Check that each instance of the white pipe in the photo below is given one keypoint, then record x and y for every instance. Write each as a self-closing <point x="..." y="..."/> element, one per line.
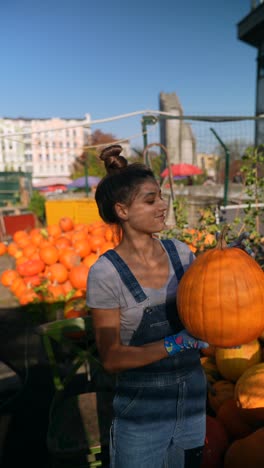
<point x="233" y="207"/>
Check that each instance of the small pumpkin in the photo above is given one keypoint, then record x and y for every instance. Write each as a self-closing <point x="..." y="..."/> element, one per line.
<point x="249" y="394"/>
<point x="78" y="276"/>
<point x="66" y="224"/>
<point x="247" y="452"/>
<point x="31" y="267"/>
<point x="57" y="273"/>
<point x="220" y="294"/>
<point x="216" y="444"/>
<point x="230" y="415"/>
<point x="219" y="392"/>
<point x="8" y="276"/>
<point x="49" y="254"/>
<point x="232" y="362"/>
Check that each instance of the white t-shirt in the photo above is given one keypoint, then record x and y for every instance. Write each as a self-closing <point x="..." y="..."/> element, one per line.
<point x="106" y="290"/>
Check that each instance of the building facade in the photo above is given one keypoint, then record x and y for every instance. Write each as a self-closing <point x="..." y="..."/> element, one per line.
<point x="44" y="147"/>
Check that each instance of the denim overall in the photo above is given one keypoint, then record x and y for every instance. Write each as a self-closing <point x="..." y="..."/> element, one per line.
<point x="159" y="408"/>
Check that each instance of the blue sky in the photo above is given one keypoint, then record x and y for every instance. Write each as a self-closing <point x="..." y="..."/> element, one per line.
<point x="110" y="57"/>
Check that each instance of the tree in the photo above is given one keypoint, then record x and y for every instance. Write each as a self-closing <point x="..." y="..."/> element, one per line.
<point x="95" y="166"/>
<point x="101" y="138"/>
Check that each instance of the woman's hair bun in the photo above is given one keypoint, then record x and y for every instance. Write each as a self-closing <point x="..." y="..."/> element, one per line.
<point x="113" y="161"/>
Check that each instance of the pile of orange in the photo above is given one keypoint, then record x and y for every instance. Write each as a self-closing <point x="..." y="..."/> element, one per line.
<point x="52" y="264"/>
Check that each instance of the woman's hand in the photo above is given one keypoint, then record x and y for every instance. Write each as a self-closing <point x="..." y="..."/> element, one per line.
<point x="182" y="341"/>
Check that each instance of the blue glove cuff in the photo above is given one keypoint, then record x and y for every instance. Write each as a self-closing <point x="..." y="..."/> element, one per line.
<point x="171" y="347"/>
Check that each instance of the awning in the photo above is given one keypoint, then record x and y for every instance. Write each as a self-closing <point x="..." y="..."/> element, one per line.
<point x="47" y="181"/>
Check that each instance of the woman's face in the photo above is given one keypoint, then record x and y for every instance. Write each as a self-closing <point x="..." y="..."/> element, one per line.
<point x="147" y="211"/>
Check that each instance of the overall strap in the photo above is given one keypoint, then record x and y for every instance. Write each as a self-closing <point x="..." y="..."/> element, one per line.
<point x="174" y="257"/>
<point x="126" y="275"/>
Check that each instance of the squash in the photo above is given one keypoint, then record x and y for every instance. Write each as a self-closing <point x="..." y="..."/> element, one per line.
<point x="78" y="276"/>
<point x="247" y="452"/>
<point x="219" y="392"/>
<point x="216" y="444"/>
<point x="231" y="362"/>
<point x="210" y="368"/>
<point x="220" y="298"/>
<point x="249" y="394"/>
<point x="230" y="415"/>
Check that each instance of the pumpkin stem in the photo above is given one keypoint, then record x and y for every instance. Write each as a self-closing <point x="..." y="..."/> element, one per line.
<point x="221" y="243"/>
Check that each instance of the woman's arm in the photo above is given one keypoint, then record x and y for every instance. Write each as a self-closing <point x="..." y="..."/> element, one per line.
<point x="114" y="355"/>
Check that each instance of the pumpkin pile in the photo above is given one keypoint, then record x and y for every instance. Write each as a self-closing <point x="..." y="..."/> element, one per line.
<point x="235" y="406"/>
<point x="52" y="264"/>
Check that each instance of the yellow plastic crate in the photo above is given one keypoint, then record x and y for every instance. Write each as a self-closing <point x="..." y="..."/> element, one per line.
<point x="82" y="210"/>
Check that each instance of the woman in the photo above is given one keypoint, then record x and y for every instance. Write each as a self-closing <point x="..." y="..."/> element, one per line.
<point x="160" y="398"/>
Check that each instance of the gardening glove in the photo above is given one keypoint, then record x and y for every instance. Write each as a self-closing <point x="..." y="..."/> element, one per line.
<point x="182" y="341"/>
<point x="240" y="242"/>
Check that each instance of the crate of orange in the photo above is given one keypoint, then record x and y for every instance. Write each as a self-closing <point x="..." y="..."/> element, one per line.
<point x="81" y="210"/>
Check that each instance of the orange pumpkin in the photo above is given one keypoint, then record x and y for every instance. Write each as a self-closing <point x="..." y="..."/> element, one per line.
<point x="18" y="286"/>
<point x="82" y="247"/>
<point x="8" y="276"/>
<point x="220" y="297"/>
<point x="96" y="242"/>
<point x="66" y="224"/>
<point x="58" y="272"/>
<point x="231" y="363"/>
<point x="69" y="258"/>
<point x="36" y="237"/>
<point x="29" y="250"/>
<point x="78" y="276"/>
<point x="62" y="242"/>
<point x="54" y="230"/>
<point x="90" y="259"/>
<point x="19" y="236"/>
<point x="49" y="254"/>
<point x="12" y="249"/>
<point x="31" y="267"/>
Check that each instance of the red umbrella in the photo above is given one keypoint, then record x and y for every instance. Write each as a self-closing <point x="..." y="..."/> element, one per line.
<point x="182" y="169"/>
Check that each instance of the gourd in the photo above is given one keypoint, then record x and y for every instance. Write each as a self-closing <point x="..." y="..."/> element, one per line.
<point x="219" y="392"/>
<point x="249" y="394"/>
<point x="230" y="415"/>
<point x="220" y="298"/>
<point x="232" y="362"/>
<point x="247" y="452"/>
<point x="216" y="444"/>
